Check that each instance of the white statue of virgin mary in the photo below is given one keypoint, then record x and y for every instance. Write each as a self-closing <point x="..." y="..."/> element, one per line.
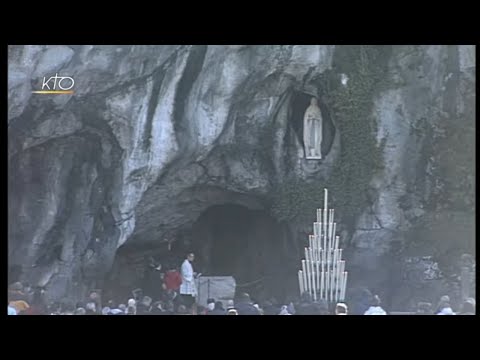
<point x="312" y="131"/>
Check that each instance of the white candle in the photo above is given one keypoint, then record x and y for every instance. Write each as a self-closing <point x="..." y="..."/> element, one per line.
<point x="329" y="222"/>
<point x="342" y="270"/>
<point x="313" y="287"/>
<point x="344" y="285"/>
<point x="312" y="270"/>
<point x="334" y="234"/>
<point x="309" y="278"/>
<point x="334" y="267"/>
<point x="321" y="285"/>
<point x="340" y="285"/>
<point x="327" y="283"/>
<point x="317" y="264"/>
<point x="324" y="256"/>
<point x="312" y="274"/>
<point x="311" y="258"/>
<point x="332" y="284"/>
<point x="319" y="245"/>
<point x="309" y="287"/>
<point x="325" y="213"/>
<point x="338" y="275"/>
<point x="319" y="215"/>
<point x="310" y="241"/>
<point x="332" y="259"/>
<point x="300" y="281"/>
<point x="324" y="248"/>
<point x="331" y="232"/>
<point x="329" y="248"/>
<point x="325" y="199"/>
<point x="330" y="227"/>
<point x="304" y="272"/>
<point x="329" y="294"/>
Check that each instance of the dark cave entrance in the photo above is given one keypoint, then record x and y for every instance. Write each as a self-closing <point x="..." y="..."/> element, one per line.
<point x="300" y="103"/>
<point x="228" y="240"/>
<point x="223" y="239"/>
<point x="232" y="240"/>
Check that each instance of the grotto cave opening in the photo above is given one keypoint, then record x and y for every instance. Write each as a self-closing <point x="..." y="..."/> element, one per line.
<point x="248" y="244"/>
<point x="228" y="240"/>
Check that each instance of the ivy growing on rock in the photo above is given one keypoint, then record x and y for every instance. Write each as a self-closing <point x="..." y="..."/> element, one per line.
<point x="360" y="155"/>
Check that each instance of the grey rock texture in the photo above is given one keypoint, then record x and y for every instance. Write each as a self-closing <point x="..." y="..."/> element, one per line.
<point x="155" y="135"/>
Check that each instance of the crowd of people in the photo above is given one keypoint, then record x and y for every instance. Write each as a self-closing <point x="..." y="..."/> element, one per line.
<point x="176" y="295"/>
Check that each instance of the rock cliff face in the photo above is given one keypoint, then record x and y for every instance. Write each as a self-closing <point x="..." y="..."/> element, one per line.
<point x="155" y="138"/>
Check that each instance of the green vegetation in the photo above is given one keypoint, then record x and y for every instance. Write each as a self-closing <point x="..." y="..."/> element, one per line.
<point x="360" y="155"/>
<point x="454" y="165"/>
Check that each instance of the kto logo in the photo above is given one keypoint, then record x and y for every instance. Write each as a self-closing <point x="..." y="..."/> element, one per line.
<point x="56" y="85"/>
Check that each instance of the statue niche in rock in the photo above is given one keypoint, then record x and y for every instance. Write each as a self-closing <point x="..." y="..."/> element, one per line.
<point x="312" y="131"/>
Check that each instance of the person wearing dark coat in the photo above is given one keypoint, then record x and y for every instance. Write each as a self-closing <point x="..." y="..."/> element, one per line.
<point x="218" y="310"/>
<point x="244" y="305"/>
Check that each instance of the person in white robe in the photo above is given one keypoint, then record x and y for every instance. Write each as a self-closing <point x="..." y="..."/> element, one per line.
<point x="188" y="289"/>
